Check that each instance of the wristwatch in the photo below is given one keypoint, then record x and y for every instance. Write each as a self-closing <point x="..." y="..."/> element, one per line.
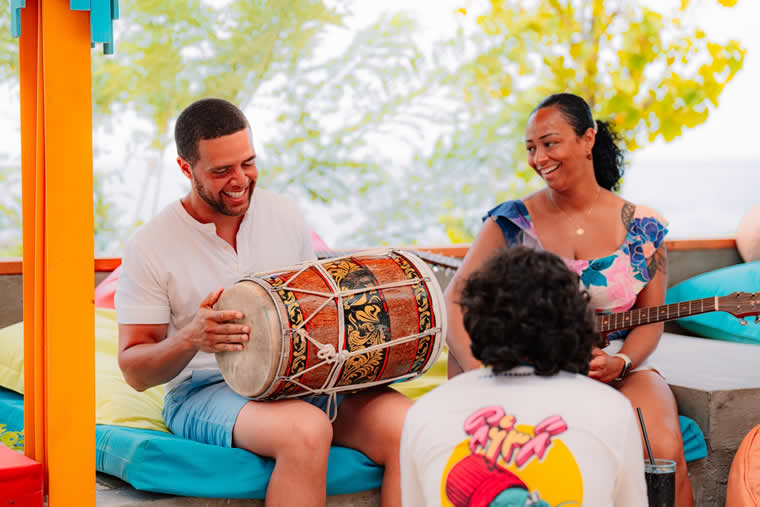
<point x="626" y="366"/>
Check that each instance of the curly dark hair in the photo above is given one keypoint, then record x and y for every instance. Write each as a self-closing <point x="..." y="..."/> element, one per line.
<point x="206" y="119"/>
<point x="609" y="159"/>
<point x="526" y="307"/>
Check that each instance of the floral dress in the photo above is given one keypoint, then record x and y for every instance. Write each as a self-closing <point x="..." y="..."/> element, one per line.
<point x="613" y="281"/>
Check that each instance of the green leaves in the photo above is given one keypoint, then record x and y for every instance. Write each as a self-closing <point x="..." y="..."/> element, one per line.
<point x="337" y="118"/>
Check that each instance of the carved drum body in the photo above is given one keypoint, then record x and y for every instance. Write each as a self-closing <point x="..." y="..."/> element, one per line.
<point x="338" y="324"/>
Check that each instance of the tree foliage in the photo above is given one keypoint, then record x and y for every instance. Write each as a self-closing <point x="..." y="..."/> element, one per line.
<point x="408" y="144"/>
<point x="650" y="73"/>
<point x="325" y="107"/>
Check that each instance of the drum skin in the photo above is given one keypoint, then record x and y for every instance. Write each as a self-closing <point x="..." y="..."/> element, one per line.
<point x="350" y="303"/>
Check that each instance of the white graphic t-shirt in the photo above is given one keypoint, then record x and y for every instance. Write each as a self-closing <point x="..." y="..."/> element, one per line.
<point x="520" y="439"/>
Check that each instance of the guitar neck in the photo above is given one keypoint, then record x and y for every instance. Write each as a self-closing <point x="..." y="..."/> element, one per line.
<point x="443" y="261"/>
<point x="641" y="316"/>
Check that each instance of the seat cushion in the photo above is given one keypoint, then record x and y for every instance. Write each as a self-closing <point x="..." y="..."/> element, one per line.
<point x="721" y="282"/>
<point x="157" y="461"/>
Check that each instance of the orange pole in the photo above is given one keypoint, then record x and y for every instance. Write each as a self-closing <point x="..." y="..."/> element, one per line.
<point x="56" y="151"/>
<point x="28" y="55"/>
<point x="69" y="279"/>
<point x="38" y="359"/>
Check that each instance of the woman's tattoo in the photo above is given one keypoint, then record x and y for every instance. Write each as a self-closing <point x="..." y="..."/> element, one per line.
<point x="658" y="262"/>
<point x="626" y="214"/>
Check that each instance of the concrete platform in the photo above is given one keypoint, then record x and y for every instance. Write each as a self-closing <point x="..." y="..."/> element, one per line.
<point x="113" y="492"/>
<point x="717" y="384"/>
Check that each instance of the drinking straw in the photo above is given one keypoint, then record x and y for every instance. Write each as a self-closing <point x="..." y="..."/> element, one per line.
<point x="644" y="432"/>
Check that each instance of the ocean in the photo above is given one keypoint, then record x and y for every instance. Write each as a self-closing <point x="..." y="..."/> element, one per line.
<point x="700" y="199"/>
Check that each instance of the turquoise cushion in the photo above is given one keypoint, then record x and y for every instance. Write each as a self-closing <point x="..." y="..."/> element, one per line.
<point x="721" y="282"/>
<point x="157" y="461"/>
<point x="694" y="445"/>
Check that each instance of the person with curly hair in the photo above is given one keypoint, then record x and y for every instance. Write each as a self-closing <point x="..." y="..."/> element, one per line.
<point x="616" y="247"/>
<point x="541" y="432"/>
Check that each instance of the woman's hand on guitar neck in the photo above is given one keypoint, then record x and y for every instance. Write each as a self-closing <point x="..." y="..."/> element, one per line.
<point x="604" y="367"/>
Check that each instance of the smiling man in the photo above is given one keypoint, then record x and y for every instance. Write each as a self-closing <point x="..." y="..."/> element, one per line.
<point x="174" y="270"/>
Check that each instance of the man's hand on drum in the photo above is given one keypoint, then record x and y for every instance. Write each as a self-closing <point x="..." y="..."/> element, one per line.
<point x="604" y="367"/>
<point x="211" y="330"/>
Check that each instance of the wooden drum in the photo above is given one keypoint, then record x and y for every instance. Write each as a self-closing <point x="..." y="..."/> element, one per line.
<point x="338" y="324"/>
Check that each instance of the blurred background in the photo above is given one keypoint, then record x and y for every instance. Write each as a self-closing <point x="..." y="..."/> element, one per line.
<point x="401" y="122"/>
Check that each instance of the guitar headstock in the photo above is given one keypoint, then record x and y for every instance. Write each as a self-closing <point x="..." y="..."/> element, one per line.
<point x="740" y="304"/>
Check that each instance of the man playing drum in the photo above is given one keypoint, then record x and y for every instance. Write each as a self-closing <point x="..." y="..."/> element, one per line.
<point x="174" y="270"/>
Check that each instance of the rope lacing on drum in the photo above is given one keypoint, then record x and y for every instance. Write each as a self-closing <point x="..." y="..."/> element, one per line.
<point x="329" y="355"/>
<point x="327" y="352"/>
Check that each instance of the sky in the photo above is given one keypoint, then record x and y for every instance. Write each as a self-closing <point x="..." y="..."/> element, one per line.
<point x="716" y="164"/>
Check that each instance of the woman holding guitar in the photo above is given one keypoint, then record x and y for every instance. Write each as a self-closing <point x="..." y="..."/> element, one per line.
<point x="617" y="248"/>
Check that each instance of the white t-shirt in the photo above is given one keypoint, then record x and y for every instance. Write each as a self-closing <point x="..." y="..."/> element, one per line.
<point x="171" y="263"/>
<point x="493" y="440"/>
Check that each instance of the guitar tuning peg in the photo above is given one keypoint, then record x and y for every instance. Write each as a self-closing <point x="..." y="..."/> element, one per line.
<point x="743" y="322"/>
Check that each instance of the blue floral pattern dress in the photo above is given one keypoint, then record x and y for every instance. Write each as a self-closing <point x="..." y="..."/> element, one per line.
<point x="613" y="281"/>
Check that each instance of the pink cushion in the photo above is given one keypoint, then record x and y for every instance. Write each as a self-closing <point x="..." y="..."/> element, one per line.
<point x="317" y="243"/>
<point x="106" y="289"/>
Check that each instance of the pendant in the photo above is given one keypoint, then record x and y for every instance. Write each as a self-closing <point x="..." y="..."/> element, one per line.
<point x="579" y="231"/>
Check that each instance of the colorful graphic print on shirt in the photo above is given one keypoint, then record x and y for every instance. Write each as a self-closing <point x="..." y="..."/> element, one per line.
<point x="503" y="464"/>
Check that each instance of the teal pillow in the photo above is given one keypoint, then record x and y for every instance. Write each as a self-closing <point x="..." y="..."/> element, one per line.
<point x="721" y="282"/>
<point x="694" y="444"/>
<point x="157" y="461"/>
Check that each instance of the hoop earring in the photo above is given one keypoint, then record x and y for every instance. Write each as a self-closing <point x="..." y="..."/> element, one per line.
<point x="589" y="156"/>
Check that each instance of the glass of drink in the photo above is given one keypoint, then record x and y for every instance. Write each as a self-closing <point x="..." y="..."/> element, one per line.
<point x="661" y="482"/>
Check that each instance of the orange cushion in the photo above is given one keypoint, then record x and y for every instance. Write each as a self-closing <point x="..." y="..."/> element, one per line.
<point x="743" y="488"/>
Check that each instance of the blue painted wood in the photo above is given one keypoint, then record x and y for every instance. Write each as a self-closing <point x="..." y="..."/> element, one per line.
<point x="102" y="14"/>
<point x="16" y="6"/>
<point x="101" y="24"/>
<point x="79" y="5"/>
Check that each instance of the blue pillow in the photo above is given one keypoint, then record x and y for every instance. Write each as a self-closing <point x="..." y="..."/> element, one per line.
<point x="161" y="462"/>
<point x="694" y="444"/>
<point x="721" y="282"/>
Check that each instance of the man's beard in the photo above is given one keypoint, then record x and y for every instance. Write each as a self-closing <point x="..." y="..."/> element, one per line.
<point x="218" y="203"/>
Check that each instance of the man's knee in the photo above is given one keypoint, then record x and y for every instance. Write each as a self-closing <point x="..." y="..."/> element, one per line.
<point x="306" y="438"/>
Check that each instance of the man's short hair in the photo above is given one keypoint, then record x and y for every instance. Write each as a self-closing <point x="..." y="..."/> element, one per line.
<point x="206" y="119"/>
<point x="526" y="307"/>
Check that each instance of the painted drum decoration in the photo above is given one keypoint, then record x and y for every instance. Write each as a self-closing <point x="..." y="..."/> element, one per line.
<point x="338" y="324"/>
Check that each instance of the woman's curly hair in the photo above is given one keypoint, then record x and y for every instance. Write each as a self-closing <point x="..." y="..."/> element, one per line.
<point x="526" y="307"/>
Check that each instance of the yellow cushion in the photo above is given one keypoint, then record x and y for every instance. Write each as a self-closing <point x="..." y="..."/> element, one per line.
<point x="431" y="379"/>
<point x="116" y="402"/>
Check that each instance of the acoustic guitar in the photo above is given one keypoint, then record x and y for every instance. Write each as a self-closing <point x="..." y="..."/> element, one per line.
<point x="738" y="304"/>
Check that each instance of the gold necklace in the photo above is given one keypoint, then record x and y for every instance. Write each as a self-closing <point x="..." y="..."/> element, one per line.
<point x="579" y="231"/>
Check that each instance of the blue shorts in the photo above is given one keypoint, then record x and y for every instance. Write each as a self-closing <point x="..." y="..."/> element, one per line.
<point x="204" y="408"/>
